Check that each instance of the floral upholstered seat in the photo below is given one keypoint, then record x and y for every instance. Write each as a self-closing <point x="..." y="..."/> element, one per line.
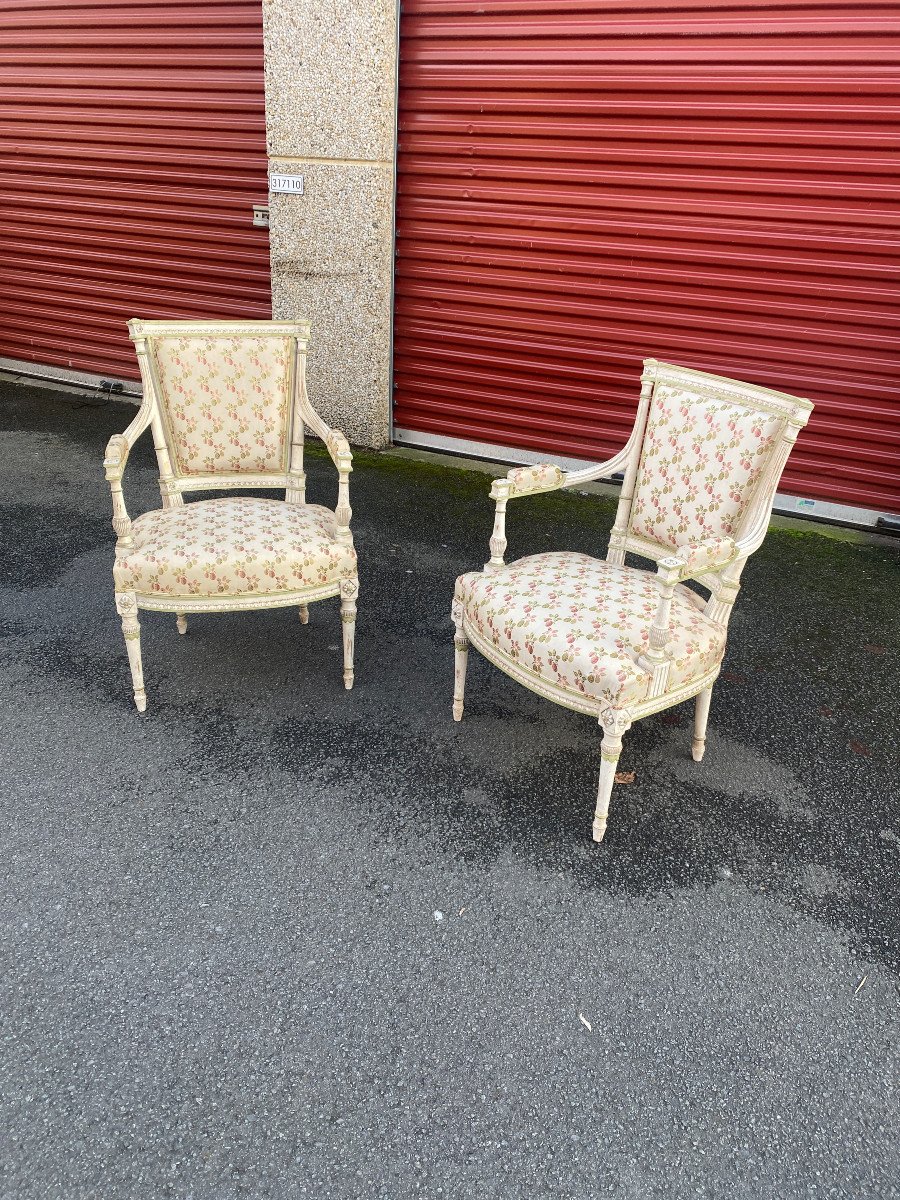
<point x="583" y="624"/>
<point x="237" y="546"/>
<point x="701" y="468"/>
<point x="227" y="405"/>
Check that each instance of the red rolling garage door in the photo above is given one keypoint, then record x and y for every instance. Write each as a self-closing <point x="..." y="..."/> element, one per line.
<point x="582" y="185"/>
<point x="133" y="135"/>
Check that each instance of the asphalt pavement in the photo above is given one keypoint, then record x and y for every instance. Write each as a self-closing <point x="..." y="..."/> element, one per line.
<point x="275" y="939"/>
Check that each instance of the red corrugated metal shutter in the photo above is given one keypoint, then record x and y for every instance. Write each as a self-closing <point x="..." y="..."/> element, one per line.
<point x="582" y="185"/>
<point x="134" y="150"/>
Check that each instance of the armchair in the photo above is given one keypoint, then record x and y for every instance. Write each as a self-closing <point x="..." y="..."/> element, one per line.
<point x="616" y="642"/>
<point x="227" y="406"/>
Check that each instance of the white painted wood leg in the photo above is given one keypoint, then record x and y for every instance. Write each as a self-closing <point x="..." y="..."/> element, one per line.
<point x="181" y="622"/>
<point x="304" y="614"/>
<point x="461" y="647"/>
<point x="615" y="723"/>
<point x="126" y="606"/>
<point x="701" y="716"/>
<point x="349" y="591"/>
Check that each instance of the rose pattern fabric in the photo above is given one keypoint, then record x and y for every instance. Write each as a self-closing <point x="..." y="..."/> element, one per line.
<point x="233" y="546"/>
<point x="581" y="623"/>
<point x="226" y="402"/>
<point x="538" y="478"/>
<point x="700" y="461"/>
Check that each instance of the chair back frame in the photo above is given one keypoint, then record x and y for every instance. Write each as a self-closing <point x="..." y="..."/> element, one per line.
<point x="792" y="413"/>
<point x="172" y="484"/>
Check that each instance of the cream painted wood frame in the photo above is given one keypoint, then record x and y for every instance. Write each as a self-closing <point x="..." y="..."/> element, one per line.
<point x="173" y="485"/>
<point x="720" y="576"/>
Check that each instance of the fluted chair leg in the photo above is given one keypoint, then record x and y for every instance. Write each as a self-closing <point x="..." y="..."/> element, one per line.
<point x="349" y="590"/>
<point x="461" y="647"/>
<point x="615" y="724"/>
<point x="126" y="605"/>
<point x="701" y="716"/>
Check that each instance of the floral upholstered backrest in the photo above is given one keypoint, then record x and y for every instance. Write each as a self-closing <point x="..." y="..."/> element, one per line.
<point x="226" y="398"/>
<point x="706" y="443"/>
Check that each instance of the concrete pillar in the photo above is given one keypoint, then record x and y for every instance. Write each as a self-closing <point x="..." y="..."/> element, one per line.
<point x="330" y="116"/>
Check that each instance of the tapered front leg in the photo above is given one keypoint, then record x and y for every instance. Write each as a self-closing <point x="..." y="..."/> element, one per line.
<point x="126" y="606"/>
<point x="701" y="716"/>
<point x="349" y="592"/>
<point x="304" y="614"/>
<point x="181" y="622"/>
<point x="461" y="647"/>
<point x="615" y="723"/>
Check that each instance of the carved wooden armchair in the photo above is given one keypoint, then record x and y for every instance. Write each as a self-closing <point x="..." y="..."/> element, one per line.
<point x="701" y="468"/>
<point x="227" y="405"/>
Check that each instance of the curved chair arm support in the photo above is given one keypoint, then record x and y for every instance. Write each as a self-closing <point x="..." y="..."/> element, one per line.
<point x="604" y="470"/>
<point x="543" y="477"/>
<point x="119" y="445"/>
<point x="114" y="461"/>
<point x="339" y="451"/>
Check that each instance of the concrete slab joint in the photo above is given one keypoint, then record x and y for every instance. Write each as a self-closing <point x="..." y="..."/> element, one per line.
<point x="331" y="117"/>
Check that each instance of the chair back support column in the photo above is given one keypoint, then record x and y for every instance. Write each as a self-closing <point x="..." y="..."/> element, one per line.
<point x="295" y="493"/>
<point x="616" y="552"/>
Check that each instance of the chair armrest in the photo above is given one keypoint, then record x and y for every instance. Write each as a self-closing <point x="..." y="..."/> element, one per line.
<point x="119" y="445"/>
<point x="520" y="481"/>
<point x="696" y="558"/>
<point x="114" y="460"/>
<point x="116" y="456"/>
<point x="529" y="481"/>
<point x="691" y="561"/>
<point x="336" y="444"/>
<point x="339" y="451"/>
<point x="543" y="477"/>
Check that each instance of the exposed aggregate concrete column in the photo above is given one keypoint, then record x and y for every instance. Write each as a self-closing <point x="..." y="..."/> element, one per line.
<point x="330" y="117"/>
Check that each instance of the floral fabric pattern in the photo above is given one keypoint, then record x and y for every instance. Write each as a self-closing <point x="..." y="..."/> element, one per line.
<point x="226" y="402"/>
<point x="233" y="546"/>
<point x="701" y="459"/>
<point x="581" y="623"/>
<point x="538" y="478"/>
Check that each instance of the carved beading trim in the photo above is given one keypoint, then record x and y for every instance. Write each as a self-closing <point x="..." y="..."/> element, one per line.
<point x="152" y="329"/>
<point x="209" y="483"/>
<point x="734" y="391"/>
<point x="245" y="603"/>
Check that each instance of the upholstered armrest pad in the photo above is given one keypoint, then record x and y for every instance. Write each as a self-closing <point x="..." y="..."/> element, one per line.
<point x="542" y="477"/>
<point x="710" y="554"/>
<point x="116" y="455"/>
<point x="338" y="446"/>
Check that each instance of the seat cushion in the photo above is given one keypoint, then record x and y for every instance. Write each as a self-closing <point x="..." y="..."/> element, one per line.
<point x="233" y="546"/>
<point x="581" y="623"/>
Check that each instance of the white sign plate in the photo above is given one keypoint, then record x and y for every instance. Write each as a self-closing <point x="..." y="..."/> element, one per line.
<point x="286" y="183"/>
